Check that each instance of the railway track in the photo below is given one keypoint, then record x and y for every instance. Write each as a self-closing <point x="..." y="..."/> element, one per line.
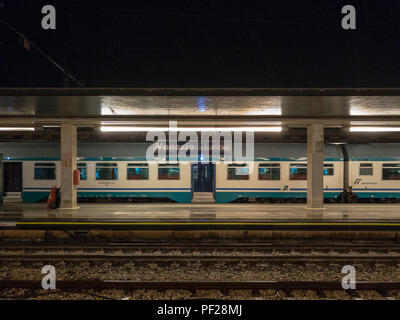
<point x="284" y="246"/>
<point x="229" y="253"/>
<point x="380" y="286"/>
<point x="200" y="252"/>
<point x="169" y="259"/>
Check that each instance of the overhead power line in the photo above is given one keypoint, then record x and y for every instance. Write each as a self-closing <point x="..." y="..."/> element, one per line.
<point x="28" y="44"/>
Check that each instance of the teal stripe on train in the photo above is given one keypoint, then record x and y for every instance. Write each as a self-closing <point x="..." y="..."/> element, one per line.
<point x="33" y="197"/>
<point x="226" y="197"/>
<point x="377" y="194"/>
<point x="182" y="197"/>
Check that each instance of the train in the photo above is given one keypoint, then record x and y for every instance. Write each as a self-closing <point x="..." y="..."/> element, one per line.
<point x="118" y="171"/>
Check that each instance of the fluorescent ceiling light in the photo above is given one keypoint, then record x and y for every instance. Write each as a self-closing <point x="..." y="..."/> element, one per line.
<point x="212" y="129"/>
<point x="374" y="129"/>
<point x="16" y="129"/>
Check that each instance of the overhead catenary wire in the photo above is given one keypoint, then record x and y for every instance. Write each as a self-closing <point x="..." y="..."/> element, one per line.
<point x="29" y="44"/>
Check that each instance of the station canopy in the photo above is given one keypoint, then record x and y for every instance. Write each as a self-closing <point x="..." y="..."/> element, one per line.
<point x="258" y="105"/>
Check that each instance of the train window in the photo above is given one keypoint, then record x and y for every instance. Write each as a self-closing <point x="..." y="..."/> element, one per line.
<point x="298" y="171"/>
<point x="269" y="171"/>
<point x="168" y="171"/>
<point x="82" y="169"/>
<point x="366" y="169"/>
<point x="137" y="171"/>
<point x="391" y="171"/>
<point x="106" y="171"/>
<point x="238" y="171"/>
<point x="328" y="169"/>
<point x="45" y="171"/>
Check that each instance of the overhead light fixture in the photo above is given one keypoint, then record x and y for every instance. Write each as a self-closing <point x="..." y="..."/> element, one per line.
<point x="374" y="129"/>
<point x="16" y="129"/>
<point x="201" y="129"/>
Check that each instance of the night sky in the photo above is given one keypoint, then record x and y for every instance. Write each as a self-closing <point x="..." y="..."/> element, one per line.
<point x="203" y="44"/>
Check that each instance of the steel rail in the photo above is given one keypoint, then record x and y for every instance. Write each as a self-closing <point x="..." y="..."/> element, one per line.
<point x="200" y="285"/>
<point x="186" y="246"/>
<point x="9" y="258"/>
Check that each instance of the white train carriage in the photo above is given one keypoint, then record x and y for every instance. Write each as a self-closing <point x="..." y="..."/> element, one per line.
<point x="105" y="178"/>
<point x="278" y="172"/>
<point x="374" y="170"/>
<point x="108" y="170"/>
<point x="120" y="170"/>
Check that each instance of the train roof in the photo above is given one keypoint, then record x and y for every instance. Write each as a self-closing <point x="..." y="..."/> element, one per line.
<point x="137" y="151"/>
<point x="86" y="150"/>
<point x="374" y="152"/>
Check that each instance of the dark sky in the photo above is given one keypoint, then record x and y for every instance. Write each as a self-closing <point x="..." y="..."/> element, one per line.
<point x="204" y="43"/>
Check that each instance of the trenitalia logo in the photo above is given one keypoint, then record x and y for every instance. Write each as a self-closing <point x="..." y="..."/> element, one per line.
<point x="357" y="181"/>
<point x="205" y="147"/>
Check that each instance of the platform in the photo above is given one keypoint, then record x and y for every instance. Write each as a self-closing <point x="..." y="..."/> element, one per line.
<point x="202" y="216"/>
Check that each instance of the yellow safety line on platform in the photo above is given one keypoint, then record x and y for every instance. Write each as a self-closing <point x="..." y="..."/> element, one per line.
<point x="216" y="223"/>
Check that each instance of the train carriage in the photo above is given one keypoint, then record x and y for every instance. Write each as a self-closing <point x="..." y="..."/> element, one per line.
<point x="278" y="172"/>
<point x="374" y="170"/>
<point x="120" y="170"/>
<point x="108" y="170"/>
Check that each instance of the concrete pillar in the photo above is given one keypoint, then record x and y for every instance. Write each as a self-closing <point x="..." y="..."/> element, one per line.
<point x="315" y="166"/>
<point x="68" y="165"/>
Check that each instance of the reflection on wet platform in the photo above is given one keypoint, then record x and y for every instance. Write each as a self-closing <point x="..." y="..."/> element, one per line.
<point x="203" y="212"/>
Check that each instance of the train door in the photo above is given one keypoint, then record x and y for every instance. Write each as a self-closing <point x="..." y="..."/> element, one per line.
<point x="12" y="176"/>
<point x="203" y="177"/>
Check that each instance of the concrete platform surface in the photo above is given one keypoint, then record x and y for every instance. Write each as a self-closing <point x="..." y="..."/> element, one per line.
<point x="202" y="212"/>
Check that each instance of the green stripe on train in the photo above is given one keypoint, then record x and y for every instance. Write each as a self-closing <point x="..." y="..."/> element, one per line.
<point x="181" y="197"/>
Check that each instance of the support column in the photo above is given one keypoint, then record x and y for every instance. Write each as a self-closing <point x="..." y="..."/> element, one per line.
<point x="68" y="165"/>
<point x="315" y="166"/>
